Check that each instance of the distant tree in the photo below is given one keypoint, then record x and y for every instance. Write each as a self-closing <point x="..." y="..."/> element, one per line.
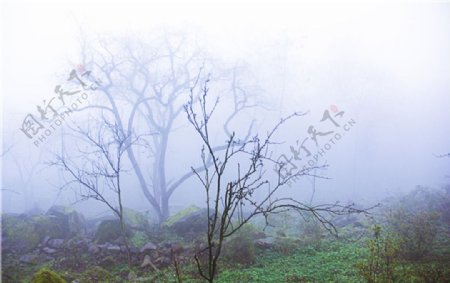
<point x="97" y="168"/>
<point x="239" y="175"/>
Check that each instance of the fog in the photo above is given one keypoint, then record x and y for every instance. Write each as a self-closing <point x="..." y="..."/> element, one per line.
<point x="386" y="66"/>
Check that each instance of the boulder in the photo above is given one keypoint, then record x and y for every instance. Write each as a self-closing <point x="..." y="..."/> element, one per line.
<point x="113" y="248"/>
<point x="109" y="231"/>
<point x="29" y="258"/>
<point x="73" y="221"/>
<point x="55" y="243"/>
<point x="266" y="243"/>
<point x="148" y="247"/>
<point x="148" y="262"/>
<point x="189" y="223"/>
<point x="93" y="248"/>
<point x="24" y="233"/>
<point x="48" y="250"/>
<point x="136" y="220"/>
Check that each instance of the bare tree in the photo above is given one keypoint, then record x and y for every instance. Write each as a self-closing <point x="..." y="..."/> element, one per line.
<point x="144" y="88"/>
<point x="98" y="168"/>
<point x="236" y="175"/>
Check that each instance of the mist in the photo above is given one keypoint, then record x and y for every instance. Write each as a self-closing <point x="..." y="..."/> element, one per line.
<point x="369" y="83"/>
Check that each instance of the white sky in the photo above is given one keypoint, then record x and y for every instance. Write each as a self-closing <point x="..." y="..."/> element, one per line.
<point x="405" y="46"/>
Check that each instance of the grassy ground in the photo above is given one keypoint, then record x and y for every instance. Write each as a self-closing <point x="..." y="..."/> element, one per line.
<point x="332" y="263"/>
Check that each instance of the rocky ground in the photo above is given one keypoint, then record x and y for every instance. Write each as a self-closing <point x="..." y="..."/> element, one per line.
<point x="64" y="240"/>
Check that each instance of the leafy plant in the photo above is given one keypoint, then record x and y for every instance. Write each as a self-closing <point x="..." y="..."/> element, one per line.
<point x="383" y="254"/>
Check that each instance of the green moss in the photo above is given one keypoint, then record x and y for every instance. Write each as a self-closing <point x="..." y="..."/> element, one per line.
<point x="135" y="219"/>
<point x="139" y="239"/>
<point x="174" y="218"/>
<point x="45" y="275"/>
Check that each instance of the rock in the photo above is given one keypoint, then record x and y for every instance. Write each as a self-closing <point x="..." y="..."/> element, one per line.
<point x="139" y="239"/>
<point x="113" y="248"/>
<point x="258" y="235"/>
<point x="119" y="241"/>
<point x="163" y="260"/>
<point x="77" y="244"/>
<point x="132" y="276"/>
<point x="135" y="219"/>
<point x="266" y="243"/>
<point x="29" y="258"/>
<point x="45" y="240"/>
<point x="93" y="249"/>
<point x="190" y="223"/>
<point x="124" y="249"/>
<point x="73" y="221"/>
<point x="48" y="250"/>
<point x="24" y="233"/>
<point x="109" y="231"/>
<point x="55" y="243"/>
<point x="147" y="262"/>
<point x="148" y="247"/>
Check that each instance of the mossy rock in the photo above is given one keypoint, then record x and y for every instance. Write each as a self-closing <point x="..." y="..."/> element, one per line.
<point x="45" y="275"/>
<point x="179" y="215"/>
<point x="73" y="221"/>
<point x="136" y="219"/>
<point x="97" y="274"/>
<point x="24" y="233"/>
<point x="109" y="231"/>
<point x="189" y="223"/>
<point x="139" y="239"/>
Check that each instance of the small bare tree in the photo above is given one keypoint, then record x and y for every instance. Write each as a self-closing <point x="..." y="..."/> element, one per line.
<point x="99" y="168"/>
<point x="234" y="178"/>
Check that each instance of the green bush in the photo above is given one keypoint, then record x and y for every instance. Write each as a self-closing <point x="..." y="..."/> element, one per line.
<point x="380" y="265"/>
<point x="240" y="248"/>
<point x="286" y="245"/>
<point x="312" y="232"/>
<point x="417" y="231"/>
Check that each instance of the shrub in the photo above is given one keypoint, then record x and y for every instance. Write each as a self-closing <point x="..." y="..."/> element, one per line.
<point x="312" y="232"/>
<point x="379" y="266"/>
<point x="286" y="245"/>
<point x="241" y="248"/>
<point x="415" y="224"/>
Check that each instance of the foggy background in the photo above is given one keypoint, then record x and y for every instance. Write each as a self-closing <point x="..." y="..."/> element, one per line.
<point x="386" y="66"/>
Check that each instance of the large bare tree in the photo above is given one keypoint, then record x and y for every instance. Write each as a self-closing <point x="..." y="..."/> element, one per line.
<point x="144" y="86"/>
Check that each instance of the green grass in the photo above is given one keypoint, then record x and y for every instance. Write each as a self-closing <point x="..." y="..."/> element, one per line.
<point x="333" y="263"/>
